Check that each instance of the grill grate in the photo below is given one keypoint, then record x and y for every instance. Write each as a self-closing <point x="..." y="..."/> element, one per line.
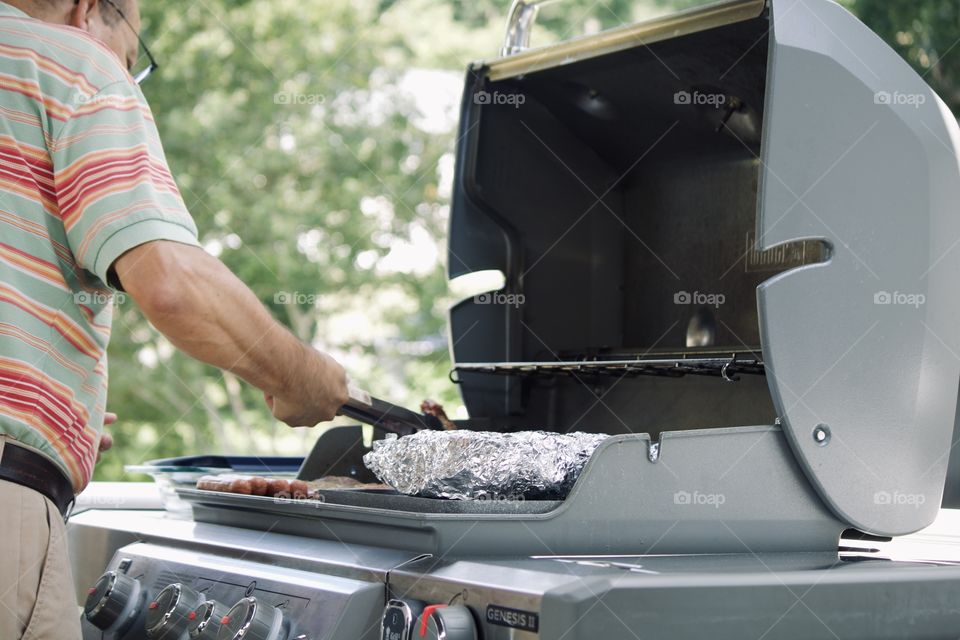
<point x="725" y="367"/>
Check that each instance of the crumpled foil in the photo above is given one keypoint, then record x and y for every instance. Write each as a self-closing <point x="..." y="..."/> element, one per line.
<point x="479" y="465"/>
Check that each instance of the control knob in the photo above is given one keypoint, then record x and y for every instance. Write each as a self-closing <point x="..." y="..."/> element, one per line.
<point x="114" y="602"/>
<point x="166" y="617"/>
<point x="399" y="617"/>
<point x="203" y="623"/>
<point x="251" y="619"/>
<point x="440" y="622"/>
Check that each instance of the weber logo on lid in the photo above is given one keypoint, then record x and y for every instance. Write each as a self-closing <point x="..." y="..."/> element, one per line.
<point x="783" y="257"/>
<point x="513" y="618"/>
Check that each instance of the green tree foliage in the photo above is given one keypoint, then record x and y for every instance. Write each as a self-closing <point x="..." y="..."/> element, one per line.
<point x="312" y="142"/>
<point x="926" y="33"/>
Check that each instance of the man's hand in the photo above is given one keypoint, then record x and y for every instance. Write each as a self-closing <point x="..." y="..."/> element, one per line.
<point x="106" y="440"/>
<point x="207" y="312"/>
<point x="315" y="400"/>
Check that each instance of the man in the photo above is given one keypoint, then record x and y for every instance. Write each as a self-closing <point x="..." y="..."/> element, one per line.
<point x="87" y="205"/>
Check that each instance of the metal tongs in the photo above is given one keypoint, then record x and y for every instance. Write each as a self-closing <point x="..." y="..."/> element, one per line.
<point x="388" y="416"/>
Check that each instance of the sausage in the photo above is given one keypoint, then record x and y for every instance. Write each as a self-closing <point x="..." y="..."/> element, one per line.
<point x="259" y="485"/>
<point x="242" y="485"/>
<point x="299" y="489"/>
<point x="213" y="483"/>
<point x="435" y="409"/>
<point x="278" y="486"/>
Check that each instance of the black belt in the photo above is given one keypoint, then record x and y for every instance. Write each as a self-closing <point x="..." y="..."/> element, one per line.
<point x="34" y="471"/>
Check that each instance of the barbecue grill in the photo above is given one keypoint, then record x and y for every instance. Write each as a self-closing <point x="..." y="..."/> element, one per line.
<point x="726" y="238"/>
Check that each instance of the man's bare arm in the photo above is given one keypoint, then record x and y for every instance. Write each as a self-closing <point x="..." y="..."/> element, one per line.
<point x="207" y="312"/>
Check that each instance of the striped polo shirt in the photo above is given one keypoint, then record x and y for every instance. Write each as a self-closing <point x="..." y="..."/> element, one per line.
<point x="83" y="179"/>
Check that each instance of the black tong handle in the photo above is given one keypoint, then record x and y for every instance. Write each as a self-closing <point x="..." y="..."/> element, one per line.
<point x="388" y="416"/>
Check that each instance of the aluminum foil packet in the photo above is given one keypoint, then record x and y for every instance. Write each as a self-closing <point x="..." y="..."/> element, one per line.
<point x="479" y="465"/>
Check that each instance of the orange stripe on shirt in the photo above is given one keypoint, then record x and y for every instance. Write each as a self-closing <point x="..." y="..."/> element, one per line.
<point x="66" y="75"/>
<point x="55" y="319"/>
<point x="34" y="266"/>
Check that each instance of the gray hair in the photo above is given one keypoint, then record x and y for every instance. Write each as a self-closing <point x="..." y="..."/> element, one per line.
<point x="107" y="7"/>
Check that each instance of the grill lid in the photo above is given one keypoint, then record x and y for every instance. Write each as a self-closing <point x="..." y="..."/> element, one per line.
<point x="861" y="350"/>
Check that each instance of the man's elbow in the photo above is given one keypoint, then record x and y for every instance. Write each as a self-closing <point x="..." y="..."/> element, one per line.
<point x="159" y="277"/>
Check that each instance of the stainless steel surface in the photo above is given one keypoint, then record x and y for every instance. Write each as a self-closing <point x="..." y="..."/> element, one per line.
<point x="523" y="15"/>
<point x="312" y="604"/>
<point x="100" y="529"/>
<point x="660" y="596"/>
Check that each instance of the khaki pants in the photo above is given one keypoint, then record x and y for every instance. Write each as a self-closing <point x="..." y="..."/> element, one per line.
<point x="37" y="597"/>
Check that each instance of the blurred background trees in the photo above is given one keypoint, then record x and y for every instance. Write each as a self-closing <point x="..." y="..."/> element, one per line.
<point x="313" y="142"/>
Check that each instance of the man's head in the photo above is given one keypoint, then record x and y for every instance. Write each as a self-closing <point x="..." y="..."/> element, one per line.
<point x="106" y="20"/>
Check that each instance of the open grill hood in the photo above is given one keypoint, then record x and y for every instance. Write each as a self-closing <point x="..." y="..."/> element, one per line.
<point x="766" y="186"/>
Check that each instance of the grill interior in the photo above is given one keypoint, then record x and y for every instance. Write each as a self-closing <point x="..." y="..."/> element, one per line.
<point x="618" y="196"/>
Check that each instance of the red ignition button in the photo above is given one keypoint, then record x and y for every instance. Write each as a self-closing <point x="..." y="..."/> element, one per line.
<point x="425" y="618"/>
<point x="153" y="605"/>
<point x="225" y="620"/>
<point x="91" y="591"/>
<point x="192" y="615"/>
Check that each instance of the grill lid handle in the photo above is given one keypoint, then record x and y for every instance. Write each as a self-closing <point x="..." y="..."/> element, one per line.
<point x="523" y="15"/>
